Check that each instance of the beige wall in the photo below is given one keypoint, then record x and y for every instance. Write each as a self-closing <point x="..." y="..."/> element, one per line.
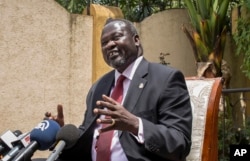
<point x="47" y="57"/>
<point x="162" y="33"/>
<point x="45" y="54"/>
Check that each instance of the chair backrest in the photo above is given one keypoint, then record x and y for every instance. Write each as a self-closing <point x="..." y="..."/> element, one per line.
<point x="205" y="94"/>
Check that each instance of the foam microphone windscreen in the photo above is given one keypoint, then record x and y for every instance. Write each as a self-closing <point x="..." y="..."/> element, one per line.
<point x="45" y="134"/>
<point x="68" y="133"/>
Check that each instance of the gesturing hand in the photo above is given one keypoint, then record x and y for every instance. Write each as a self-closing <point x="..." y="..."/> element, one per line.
<point x="59" y="118"/>
<point x="123" y="119"/>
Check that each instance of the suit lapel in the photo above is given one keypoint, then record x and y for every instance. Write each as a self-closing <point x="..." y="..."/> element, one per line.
<point x="138" y="83"/>
<point x="102" y="87"/>
<point x="134" y="91"/>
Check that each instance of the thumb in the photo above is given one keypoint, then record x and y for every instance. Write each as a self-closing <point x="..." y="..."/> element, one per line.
<point x="60" y="111"/>
<point x="60" y="118"/>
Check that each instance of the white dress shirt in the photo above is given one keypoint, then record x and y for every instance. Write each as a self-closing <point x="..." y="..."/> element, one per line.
<point x="117" y="152"/>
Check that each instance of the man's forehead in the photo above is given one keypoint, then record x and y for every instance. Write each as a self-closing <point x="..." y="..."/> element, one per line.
<point x="113" y="27"/>
<point x="116" y="24"/>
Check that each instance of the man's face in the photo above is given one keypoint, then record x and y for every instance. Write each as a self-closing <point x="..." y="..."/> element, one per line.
<point x="119" y="45"/>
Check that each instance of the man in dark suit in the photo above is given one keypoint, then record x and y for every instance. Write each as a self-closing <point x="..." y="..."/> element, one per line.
<point x="152" y="123"/>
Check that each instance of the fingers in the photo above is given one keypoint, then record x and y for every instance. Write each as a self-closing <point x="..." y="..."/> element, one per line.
<point x="113" y="122"/>
<point x="106" y="121"/>
<point x="103" y="112"/>
<point x="112" y="110"/>
<point x="109" y="99"/>
<point x="59" y="118"/>
<point x="109" y="103"/>
<point x="60" y="111"/>
<point x="47" y="114"/>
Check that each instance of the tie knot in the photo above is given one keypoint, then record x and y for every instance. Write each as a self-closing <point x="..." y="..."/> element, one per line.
<point x="120" y="80"/>
<point x="117" y="93"/>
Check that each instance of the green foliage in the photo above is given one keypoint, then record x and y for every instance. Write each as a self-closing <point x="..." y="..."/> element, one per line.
<point x="73" y="6"/>
<point x="137" y="10"/>
<point x="228" y="132"/>
<point x="208" y="37"/>
<point x="242" y="40"/>
<point x="133" y="10"/>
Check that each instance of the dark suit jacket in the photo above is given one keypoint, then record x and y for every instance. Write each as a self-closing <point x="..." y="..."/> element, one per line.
<point x="159" y="96"/>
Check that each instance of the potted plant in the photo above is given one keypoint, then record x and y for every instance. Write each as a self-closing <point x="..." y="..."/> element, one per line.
<point x="208" y="37"/>
<point x="208" y="34"/>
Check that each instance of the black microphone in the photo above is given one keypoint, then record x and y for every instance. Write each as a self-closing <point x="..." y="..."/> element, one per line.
<point x="6" y="140"/>
<point x="67" y="137"/>
<point x="42" y="137"/>
<point x="22" y="142"/>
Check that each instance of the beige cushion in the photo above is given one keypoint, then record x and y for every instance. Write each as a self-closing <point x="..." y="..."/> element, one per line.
<point x="199" y="91"/>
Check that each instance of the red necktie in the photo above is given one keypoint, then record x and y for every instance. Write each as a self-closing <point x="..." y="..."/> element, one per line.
<point x="103" y="143"/>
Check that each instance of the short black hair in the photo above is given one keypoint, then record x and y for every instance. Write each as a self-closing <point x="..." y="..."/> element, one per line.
<point x="128" y="23"/>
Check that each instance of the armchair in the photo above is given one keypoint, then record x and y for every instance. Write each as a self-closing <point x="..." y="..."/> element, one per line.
<point x="205" y="94"/>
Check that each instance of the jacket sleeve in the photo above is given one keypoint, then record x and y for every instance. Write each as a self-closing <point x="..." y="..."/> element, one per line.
<point x="170" y="136"/>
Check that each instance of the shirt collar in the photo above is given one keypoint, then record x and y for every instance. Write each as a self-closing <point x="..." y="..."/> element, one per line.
<point x="130" y="70"/>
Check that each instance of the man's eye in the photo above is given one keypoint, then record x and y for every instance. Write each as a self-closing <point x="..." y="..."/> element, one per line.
<point x="104" y="43"/>
<point x="117" y="37"/>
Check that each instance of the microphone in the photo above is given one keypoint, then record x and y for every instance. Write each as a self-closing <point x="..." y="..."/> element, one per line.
<point x="6" y="140"/>
<point x="22" y="142"/>
<point x="67" y="136"/>
<point x="42" y="137"/>
<point x="17" y="133"/>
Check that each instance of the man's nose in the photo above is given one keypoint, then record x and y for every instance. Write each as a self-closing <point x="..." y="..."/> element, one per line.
<point x="111" y="43"/>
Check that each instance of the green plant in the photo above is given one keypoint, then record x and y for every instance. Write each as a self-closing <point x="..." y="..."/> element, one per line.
<point x="73" y="6"/>
<point x="208" y="36"/>
<point x="242" y="38"/>
<point x="229" y="133"/>
<point x="226" y="130"/>
<point x="133" y="10"/>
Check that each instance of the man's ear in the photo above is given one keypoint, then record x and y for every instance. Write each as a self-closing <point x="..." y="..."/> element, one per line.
<point x="137" y="40"/>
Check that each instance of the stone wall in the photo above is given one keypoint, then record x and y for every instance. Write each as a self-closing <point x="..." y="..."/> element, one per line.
<point x="48" y="56"/>
<point x="45" y="56"/>
<point x="162" y="33"/>
<point x="45" y="53"/>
